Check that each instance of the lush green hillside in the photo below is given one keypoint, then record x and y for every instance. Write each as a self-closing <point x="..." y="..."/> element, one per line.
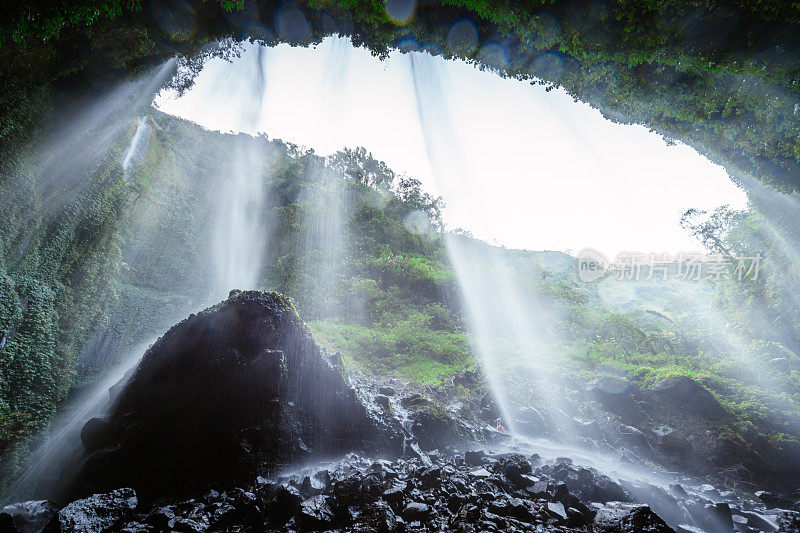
<point x="117" y="258"/>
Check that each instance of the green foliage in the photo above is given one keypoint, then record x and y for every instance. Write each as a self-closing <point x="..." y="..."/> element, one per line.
<point x="410" y="348"/>
<point x="720" y="76"/>
<point x="362" y="253"/>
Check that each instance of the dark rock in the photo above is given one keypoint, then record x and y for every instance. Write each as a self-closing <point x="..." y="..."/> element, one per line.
<point x="616" y="395"/>
<point x="284" y="504"/>
<point x="97" y="513"/>
<point x="684" y="393"/>
<point x="313" y="485"/>
<point x="430" y="477"/>
<point x="678" y="491"/>
<point x="358" y="489"/>
<point x="480" y="473"/>
<point x="530" y="421"/>
<point x="789" y="521"/>
<point x="387" y="390"/>
<point x="556" y="510"/>
<point x="671" y="443"/>
<point x="511" y="507"/>
<point x="539" y="489"/>
<point x="455" y="501"/>
<point x="773" y="501"/>
<point x="189" y="516"/>
<point x="95" y="434"/>
<point x="241" y="507"/>
<point x="379" y="517"/>
<point x="600" y="488"/>
<point x="315" y="513"/>
<point x="475" y="458"/>
<point x="432" y="426"/>
<point x="588" y="428"/>
<point x="417" y="511"/>
<point x="576" y="518"/>
<point x="628" y="517"/>
<point x="29" y="517"/>
<point x="513" y="467"/>
<point x="635" y="438"/>
<point x="760" y="521"/>
<point x="235" y="387"/>
<point x="321" y="480"/>
<point x="739" y="521"/>
<point x="781" y="456"/>
<point x="562" y="492"/>
<point x="721" y="513"/>
<point x="395" y="495"/>
<point x="729" y="451"/>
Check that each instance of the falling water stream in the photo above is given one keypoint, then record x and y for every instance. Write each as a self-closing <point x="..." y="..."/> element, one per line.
<point x="497" y="307"/>
<point x="138" y="145"/>
<point x="237" y="246"/>
<point x="497" y="312"/>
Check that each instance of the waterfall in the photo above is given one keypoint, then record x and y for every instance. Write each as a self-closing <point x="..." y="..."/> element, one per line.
<point x="84" y="136"/>
<point x="136" y="149"/>
<point x="62" y="162"/>
<point x="500" y="311"/>
<point x="323" y="239"/>
<point x="475" y="281"/>
<point x="237" y="250"/>
<point x="239" y="239"/>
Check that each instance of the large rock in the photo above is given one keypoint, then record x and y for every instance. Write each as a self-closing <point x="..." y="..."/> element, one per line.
<point x="98" y="513"/>
<point x="29" y="517"/>
<point x="618" y="517"/>
<point x="617" y="395"/>
<point x="684" y="394"/>
<point x="432" y="426"/>
<point x="235" y="388"/>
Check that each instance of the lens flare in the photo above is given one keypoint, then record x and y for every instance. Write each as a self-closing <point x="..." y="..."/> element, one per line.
<point x="400" y="11"/>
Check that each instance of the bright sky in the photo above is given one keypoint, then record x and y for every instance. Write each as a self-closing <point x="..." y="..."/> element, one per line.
<point x="523" y="167"/>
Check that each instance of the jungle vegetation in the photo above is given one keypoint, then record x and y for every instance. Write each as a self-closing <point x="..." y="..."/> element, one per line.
<point x="123" y="257"/>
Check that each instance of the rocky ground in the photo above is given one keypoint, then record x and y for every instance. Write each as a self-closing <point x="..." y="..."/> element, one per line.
<point x="474" y="491"/>
<point x="242" y="389"/>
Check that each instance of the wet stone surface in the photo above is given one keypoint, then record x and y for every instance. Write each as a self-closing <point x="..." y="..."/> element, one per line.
<point x="476" y="491"/>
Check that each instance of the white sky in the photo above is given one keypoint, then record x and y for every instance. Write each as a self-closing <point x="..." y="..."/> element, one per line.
<point x="529" y="169"/>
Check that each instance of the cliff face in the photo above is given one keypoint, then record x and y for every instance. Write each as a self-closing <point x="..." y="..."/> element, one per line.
<point x="239" y="387"/>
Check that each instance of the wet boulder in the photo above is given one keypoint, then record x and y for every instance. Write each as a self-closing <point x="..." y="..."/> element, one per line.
<point x="417" y="511"/>
<point x="670" y="442"/>
<point x="617" y="395"/>
<point x="529" y="421"/>
<point x="431" y="425"/>
<point x="377" y="516"/>
<point x="315" y="514"/>
<point x="618" y="517"/>
<point x="235" y="388"/>
<point x="514" y="467"/>
<point x="98" y="513"/>
<point x="29" y="517"/>
<point x="685" y="394"/>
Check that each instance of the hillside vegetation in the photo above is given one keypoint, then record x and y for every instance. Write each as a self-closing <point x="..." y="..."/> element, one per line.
<point x="363" y="253"/>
